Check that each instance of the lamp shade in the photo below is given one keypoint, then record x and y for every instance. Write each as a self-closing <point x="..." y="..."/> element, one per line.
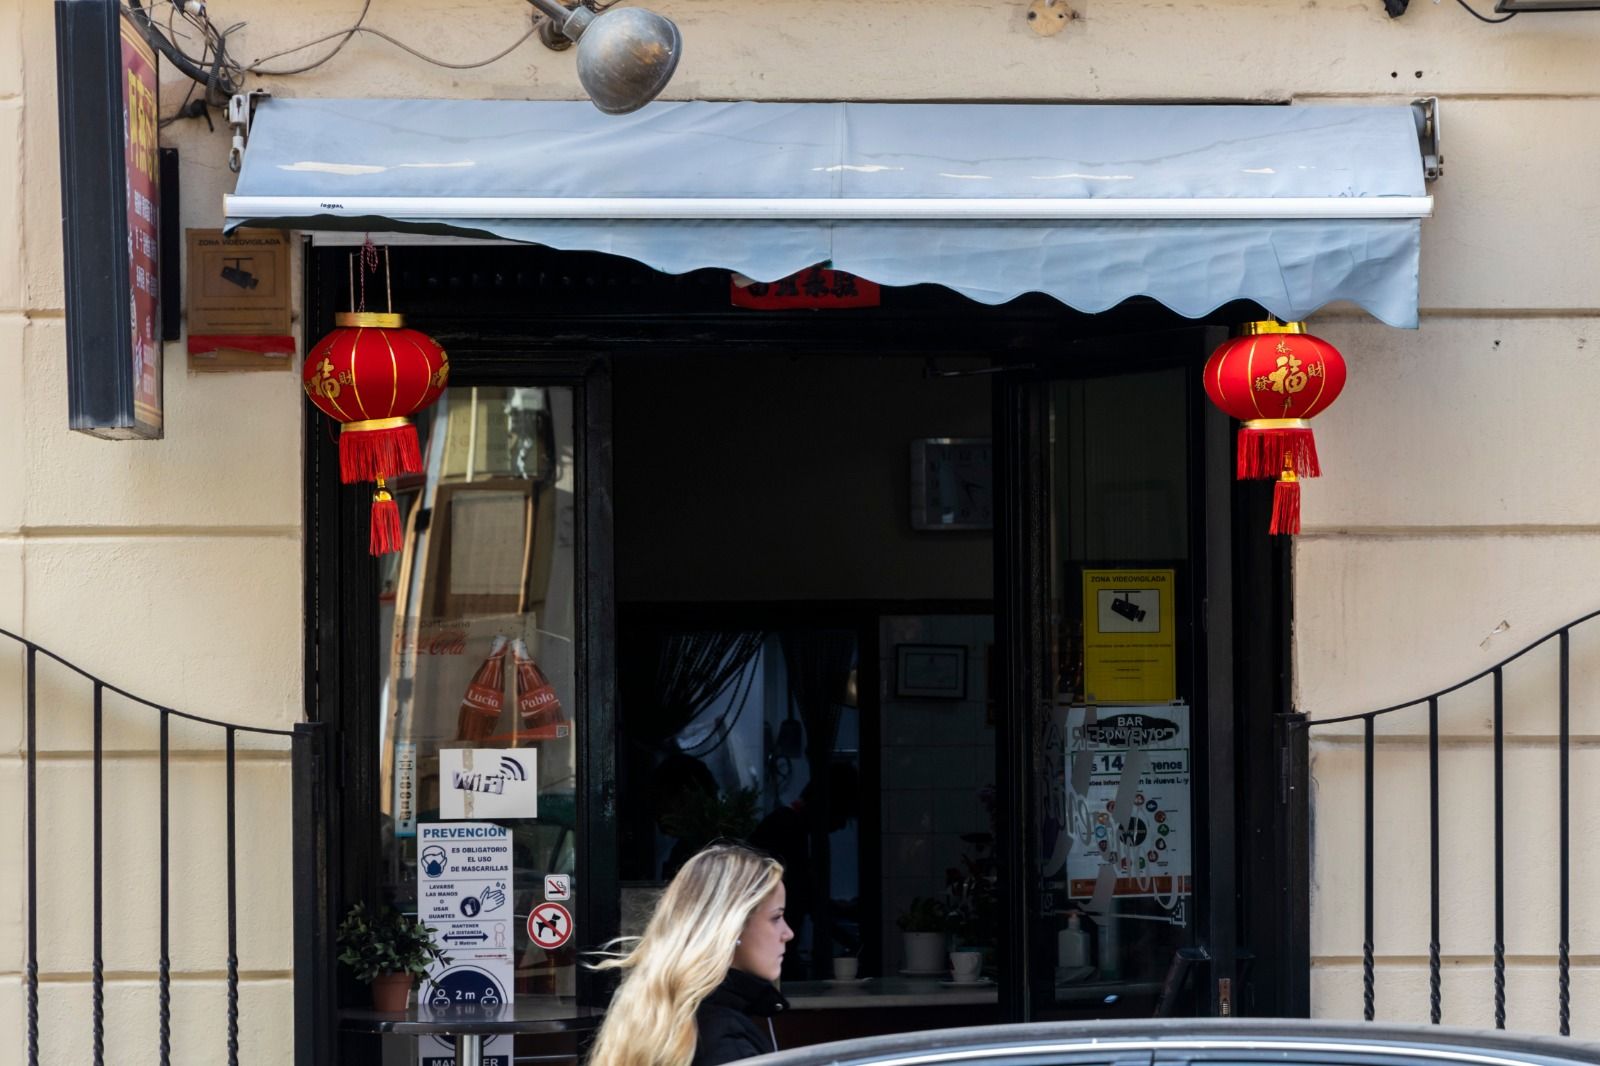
<point x="626" y="56"/>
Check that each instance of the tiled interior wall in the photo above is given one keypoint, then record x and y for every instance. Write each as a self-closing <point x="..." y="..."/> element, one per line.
<point x="937" y="754"/>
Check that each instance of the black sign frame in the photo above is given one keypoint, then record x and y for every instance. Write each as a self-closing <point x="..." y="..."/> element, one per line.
<point x="97" y="242"/>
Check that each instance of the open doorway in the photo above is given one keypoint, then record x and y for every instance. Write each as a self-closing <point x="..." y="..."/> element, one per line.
<point x="804" y="647"/>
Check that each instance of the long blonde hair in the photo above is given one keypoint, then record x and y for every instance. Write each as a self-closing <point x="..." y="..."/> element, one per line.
<point x="684" y="954"/>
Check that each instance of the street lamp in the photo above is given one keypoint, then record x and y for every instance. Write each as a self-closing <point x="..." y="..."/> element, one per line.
<point x="626" y="55"/>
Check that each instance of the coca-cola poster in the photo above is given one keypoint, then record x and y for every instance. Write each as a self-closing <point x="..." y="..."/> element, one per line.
<point x="488" y="783"/>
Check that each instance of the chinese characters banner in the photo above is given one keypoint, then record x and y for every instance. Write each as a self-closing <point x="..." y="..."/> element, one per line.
<point x="140" y="121"/>
<point x="814" y="287"/>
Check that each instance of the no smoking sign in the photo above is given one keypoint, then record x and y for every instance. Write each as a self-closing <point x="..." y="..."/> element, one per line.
<point x="550" y="925"/>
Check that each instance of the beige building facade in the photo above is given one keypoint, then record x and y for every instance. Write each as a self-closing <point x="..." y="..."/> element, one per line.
<point x="1453" y="525"/>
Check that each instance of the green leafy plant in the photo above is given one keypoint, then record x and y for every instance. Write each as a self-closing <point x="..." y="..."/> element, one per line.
<point x="972" y="890"/>
<point x="924" y="915"/>
<point x="386" y="942"/>
<point x="698" y="817"/>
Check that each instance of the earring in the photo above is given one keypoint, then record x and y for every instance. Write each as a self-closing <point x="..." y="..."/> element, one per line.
<point x="737" y="942"/>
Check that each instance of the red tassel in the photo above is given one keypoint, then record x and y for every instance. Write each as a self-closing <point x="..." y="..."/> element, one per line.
<point x="375" y="454"/>
<point x="385" y="524"/>
<point x="1286" y="505"/>
<point x="1263" y="453"/>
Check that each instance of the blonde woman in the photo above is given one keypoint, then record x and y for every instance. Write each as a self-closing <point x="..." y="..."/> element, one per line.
<point x="696" y="982"/>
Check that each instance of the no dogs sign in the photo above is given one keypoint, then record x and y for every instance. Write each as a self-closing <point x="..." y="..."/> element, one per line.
<point x="550" y="925"/>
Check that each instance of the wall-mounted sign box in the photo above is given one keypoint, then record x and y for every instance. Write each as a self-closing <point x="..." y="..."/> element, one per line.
<point x="110" y="202"/>
<point x="238" y="300"/>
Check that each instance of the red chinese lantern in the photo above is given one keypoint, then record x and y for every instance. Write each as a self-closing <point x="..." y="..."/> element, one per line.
<point x="1275" y="377"/>
<point x="369" y="374"/>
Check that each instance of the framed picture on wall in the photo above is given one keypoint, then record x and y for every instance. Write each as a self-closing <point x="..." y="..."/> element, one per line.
<point x="930" y="671"/>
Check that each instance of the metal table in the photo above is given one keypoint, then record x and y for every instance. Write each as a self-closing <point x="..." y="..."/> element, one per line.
<point x="467" y="1027"/>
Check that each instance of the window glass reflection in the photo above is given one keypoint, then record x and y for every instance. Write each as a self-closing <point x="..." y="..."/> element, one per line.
<point x="478" y="670"/>
<point x="1114" y="746"/>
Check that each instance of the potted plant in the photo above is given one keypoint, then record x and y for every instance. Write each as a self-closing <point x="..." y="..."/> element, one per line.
<point x="922" y="928"/>
<point x="387" y="951"/>
<point x="972" y="890"/>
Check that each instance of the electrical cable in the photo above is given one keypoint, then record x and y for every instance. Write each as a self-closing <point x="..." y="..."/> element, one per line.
<point x="256" y="69"/>
<point x="1485" y="18"/>
<point x="453" y="66"/>
<point x="157" y="40"/>
<point x="183" y="107"/>
<point x="226" y="76"/>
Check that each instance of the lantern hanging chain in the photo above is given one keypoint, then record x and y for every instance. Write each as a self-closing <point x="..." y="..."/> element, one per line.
<point x="369" y="262"/>
<point x="388" y="289"/>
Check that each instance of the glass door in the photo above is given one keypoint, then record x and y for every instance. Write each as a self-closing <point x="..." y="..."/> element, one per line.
<point x="478" y="692"/>
<point x="1109" y="492"/>
<point x="1114" y="736"/>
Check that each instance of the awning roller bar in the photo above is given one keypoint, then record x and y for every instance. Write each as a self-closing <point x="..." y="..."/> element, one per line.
<point x="833" y="208"/>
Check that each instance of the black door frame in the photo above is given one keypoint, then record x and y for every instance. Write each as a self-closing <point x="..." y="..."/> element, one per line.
<point x="1251" y="883"/>
<point x="342" y="656"/>
<point x="529" y="315"/>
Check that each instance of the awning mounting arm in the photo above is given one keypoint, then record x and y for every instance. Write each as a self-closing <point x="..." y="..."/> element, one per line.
<point x="241" y="111"/>
<point x="1426" y="111"/>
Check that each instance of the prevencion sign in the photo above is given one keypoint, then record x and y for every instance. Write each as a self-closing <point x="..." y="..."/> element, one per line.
<point x="465" y="893"/>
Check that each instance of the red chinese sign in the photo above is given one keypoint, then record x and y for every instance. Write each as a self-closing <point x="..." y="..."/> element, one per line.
<point x="140" y="121"/>
<point x="815" y="287"/>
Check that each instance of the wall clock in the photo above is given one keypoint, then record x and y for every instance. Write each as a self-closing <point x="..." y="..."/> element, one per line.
<point x="952" y="483"/>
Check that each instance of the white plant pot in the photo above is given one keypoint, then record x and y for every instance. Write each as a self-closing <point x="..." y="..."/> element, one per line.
<point x="924" y="951"/>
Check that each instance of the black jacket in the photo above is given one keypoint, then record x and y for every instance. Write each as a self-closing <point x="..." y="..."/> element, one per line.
<point x="726" y="1021"/>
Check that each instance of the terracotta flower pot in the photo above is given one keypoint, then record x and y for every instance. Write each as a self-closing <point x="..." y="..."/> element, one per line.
<point x="391" y="991"/>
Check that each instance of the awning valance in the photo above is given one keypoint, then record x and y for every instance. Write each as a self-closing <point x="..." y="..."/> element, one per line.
<point x="1195" y="206"/>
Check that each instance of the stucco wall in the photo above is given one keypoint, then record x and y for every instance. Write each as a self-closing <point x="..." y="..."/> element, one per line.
<point x="1454" y="497"/>
<point x="1452" y="506"/>
<point x="171" y="569"/>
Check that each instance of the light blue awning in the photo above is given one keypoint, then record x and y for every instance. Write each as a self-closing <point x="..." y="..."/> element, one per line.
<point x="1195" y="206"/>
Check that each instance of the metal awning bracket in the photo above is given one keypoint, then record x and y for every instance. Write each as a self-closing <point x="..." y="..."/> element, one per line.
<point x="1426" y="111"/>
<point x="241" y="112"/>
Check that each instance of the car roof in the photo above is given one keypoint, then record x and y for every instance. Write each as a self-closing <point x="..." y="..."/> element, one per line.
<point x="1204" y="1037"/>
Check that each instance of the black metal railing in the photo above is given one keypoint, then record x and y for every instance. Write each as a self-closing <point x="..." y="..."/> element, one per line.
<point x="1369" y="741"/>
<point x="303" y="745"/>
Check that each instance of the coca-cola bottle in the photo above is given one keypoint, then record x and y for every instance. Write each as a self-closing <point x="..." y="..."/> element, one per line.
<point x="537" y="702"/>
<point x="485" y="696"/>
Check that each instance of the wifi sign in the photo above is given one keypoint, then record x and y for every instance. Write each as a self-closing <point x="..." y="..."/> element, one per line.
<point x="488" y="783"/>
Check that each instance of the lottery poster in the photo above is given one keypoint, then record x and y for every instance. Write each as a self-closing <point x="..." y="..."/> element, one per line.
<point x="1128" y="799"/>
